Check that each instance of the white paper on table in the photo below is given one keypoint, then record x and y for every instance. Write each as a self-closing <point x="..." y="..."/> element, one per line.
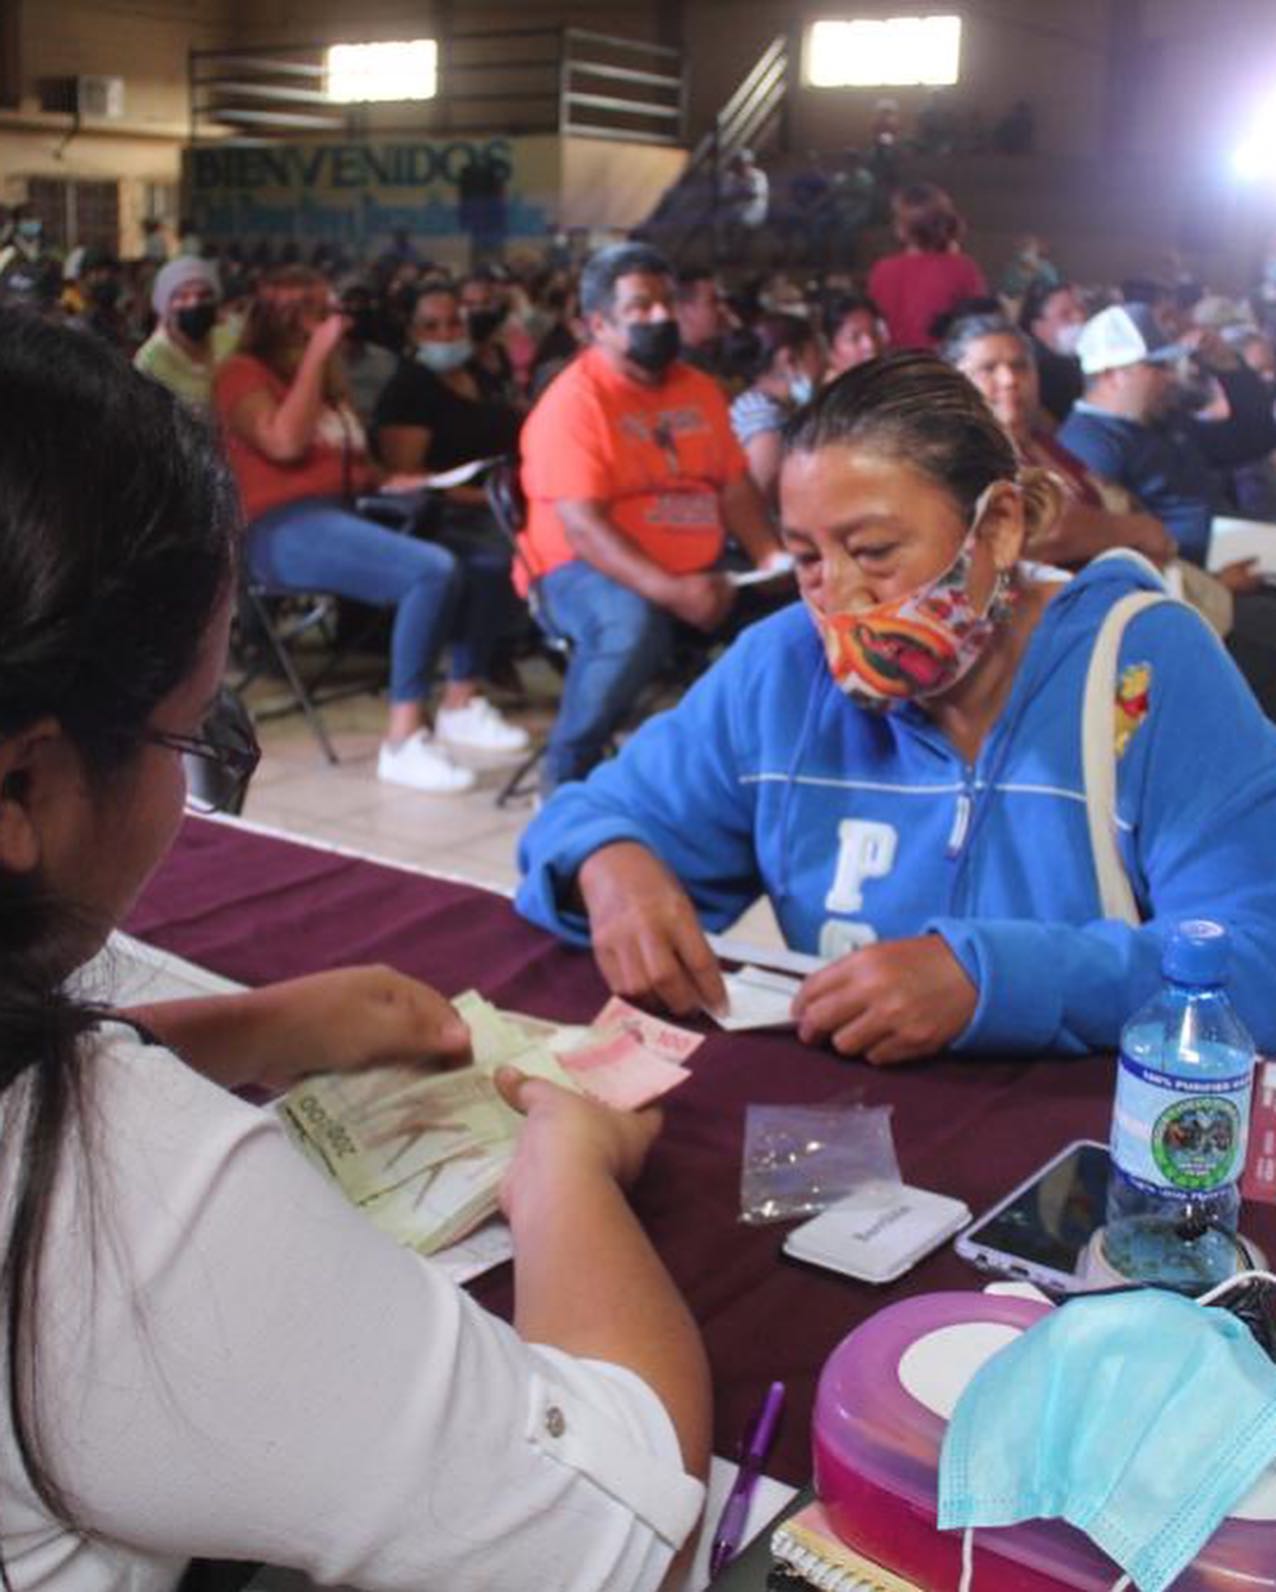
<point x="1233" y="541"/>
<point x="769" y="1497"/>
<point x="779" y="957"/>
<point x="129" y="973"/>
<point x="490" y="1245"/>
<point x="757" y="998"/>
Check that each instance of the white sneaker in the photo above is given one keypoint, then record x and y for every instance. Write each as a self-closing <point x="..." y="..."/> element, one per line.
<point x="479" y="727"/>
<point x="420" y="766"/>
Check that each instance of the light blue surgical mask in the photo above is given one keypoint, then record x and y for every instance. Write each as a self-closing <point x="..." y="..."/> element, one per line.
<point x="442" y="357"/>
<point x="1140" y="1418"/>
<point x="801" y="388"/>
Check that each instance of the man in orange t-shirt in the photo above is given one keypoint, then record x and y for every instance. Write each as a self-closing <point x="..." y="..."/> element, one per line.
<point x="633" y="478"/>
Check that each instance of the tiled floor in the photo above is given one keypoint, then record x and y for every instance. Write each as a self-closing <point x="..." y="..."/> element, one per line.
<point x="297" y="791"/>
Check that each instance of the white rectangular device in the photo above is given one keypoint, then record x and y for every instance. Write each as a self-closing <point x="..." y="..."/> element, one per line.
<point x="878" y="1232"/>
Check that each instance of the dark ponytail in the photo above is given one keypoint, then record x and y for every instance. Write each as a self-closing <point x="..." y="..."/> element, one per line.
<point x="117" y="525"/>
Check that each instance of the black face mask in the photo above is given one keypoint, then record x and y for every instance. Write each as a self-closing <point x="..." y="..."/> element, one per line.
<point x="483" y="323"/>
<point x="196" y="321"/>
<point x="105" y="295"/>
<point x="653" y="345"/>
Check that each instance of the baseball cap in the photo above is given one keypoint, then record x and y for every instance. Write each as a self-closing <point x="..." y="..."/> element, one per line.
<point x="1124" y="334"/>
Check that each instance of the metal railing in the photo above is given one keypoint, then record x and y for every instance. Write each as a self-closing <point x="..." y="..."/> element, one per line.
<point x="513" y="80"/>
<point x="750" y="118"/>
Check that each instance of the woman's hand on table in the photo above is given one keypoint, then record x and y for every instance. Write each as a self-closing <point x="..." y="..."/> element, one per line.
<point x="647" y="940"/>
<point x="338" y="1021"/>
<point x="570" y="1136"/>
<point x="892" y="1002"/>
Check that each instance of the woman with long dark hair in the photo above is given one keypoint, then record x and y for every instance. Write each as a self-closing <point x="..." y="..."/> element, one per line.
<point x="896" y="762"/>
<point x="208" y="1353"/>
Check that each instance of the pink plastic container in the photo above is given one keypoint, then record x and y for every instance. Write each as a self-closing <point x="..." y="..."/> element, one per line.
<point x="876" y="1450"/>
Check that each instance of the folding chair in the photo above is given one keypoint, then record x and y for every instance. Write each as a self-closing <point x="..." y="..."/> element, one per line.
<point x="509" y="509"/>
<point x="273" y="619"/>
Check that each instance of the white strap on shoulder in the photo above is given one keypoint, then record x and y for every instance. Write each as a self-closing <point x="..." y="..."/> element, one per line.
<point x="1098" y="755"/>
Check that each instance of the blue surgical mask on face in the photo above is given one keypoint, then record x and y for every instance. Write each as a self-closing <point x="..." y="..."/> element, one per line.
<point x="442" y="357"/>
<point x="1141" y="1418"/>
<point x="801" y="388"/>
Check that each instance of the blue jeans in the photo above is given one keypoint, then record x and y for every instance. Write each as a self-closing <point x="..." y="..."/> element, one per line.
<point x="620" y="642"/>
<point x="316" y="544"/>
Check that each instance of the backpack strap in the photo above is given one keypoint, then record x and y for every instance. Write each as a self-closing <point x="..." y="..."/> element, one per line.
<point x="1098" y="756"/>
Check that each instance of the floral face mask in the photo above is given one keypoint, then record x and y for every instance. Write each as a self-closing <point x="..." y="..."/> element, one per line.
<point x="921" y="644"/>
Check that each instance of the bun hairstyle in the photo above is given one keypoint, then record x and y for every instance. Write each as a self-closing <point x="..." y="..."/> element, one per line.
<point x="915" y="408"/>
<point x="926" y="218"/>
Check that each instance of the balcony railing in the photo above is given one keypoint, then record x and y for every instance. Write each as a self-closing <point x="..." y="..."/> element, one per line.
<point x="518" y="80"/>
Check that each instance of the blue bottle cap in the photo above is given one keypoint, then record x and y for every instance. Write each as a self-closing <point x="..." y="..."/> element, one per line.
<point x="1196" y="953"/>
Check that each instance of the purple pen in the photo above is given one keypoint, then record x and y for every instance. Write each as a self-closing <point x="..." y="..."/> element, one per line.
<point x="755" y="1445"/>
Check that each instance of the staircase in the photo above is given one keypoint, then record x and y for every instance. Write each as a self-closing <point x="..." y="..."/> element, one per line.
<point x="752" y="118"/>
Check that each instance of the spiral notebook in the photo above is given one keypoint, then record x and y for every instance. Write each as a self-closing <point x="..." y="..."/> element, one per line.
<point x="808" y="1546"/>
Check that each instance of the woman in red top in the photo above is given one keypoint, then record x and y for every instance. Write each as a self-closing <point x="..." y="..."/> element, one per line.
<point x="300" y="457"/>
<point x="931" y="275"/>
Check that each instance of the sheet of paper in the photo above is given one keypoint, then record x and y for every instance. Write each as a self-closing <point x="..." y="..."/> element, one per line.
<point x="129" y="973"/>
<point x="458" y="475"/>
<point x="491" y="1245"/>
<point x="1232" y="540"/>
<point x="769" y="1497"/>
<point x="758" y="998"/>
<point x="779" y="957"/>
<point x="777" y="569"/>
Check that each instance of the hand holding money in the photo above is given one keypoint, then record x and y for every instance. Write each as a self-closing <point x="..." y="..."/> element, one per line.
<point x="352" y="1018"/>
<point x="570" y="1132"/>
<point x="341" y="1021"/>
<point x="425" y="1155"/>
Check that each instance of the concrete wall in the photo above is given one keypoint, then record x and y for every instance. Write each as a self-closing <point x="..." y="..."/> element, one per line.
<point x="1128" y="94"/>
<point x="613" y="185"/>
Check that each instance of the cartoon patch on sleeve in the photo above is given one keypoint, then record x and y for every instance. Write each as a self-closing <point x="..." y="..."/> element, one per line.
<point x="1133" y="701"/>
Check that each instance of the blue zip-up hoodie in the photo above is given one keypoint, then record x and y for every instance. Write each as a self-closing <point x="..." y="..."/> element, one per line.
<point x="863" y="827"/>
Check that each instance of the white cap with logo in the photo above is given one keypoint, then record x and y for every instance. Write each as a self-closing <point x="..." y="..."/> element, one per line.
<point x="1124" y="334"/>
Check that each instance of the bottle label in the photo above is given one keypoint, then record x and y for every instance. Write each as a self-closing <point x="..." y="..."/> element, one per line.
<point x="1179" y="1136"/>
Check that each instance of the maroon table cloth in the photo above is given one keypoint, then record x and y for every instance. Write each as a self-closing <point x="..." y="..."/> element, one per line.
<point x="256" y="908"/>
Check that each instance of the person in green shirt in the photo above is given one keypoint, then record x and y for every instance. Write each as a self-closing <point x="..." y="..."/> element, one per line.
<point x="181" y="353"/>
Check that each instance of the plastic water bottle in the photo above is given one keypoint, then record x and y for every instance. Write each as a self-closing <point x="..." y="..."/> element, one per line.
<point x="1180" y="1123"/>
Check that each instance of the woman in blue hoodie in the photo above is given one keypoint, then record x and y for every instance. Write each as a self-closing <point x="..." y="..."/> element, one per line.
<point x="897" y="763"/>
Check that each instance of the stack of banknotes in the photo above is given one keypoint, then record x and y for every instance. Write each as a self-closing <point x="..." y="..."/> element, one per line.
<point x="423" y="1154"/>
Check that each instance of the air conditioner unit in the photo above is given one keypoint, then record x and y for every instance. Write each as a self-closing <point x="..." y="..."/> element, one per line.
<point x="102" y="97"/>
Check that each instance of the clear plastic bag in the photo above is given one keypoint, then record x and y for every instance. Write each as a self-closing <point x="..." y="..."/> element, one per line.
<point x="798" y="1160"/>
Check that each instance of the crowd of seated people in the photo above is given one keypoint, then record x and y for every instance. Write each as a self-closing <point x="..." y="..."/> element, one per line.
<point x="395" y="370"/>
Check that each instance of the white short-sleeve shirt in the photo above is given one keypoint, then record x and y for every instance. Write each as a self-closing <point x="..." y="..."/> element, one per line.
<point x="235" y="1364"/>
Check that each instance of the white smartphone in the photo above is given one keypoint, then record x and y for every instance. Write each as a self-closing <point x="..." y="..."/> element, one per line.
<point x="1042" y="1230"/>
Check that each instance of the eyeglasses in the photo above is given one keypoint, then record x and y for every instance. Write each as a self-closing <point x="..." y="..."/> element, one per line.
<point x="227" y="754"/>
